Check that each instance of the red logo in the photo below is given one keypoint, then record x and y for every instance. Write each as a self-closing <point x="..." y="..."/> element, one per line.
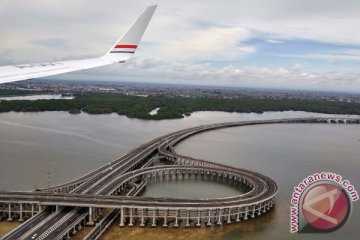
<point x="326" y="207"/>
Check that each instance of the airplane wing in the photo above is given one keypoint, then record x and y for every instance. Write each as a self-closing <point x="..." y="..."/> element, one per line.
<point x="122" y="50"/>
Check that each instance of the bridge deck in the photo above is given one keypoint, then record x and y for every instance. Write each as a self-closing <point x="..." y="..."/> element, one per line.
<point x="84" y="195"/>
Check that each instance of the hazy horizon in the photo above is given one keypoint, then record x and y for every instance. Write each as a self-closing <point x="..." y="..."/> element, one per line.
<point x="268" y="44"/>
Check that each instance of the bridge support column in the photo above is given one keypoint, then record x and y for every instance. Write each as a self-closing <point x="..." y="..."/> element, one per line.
<point x="238" y="215"/>
<point x="40" y="208"/>
<point x="187" y="219"/>
<point x="131" y="218"/>
<point x="100" y="212"/>
<point x="21" y="213"/>
<point x="9" y="213"/>
<point x="73" y="232"/>
<point x="91" y="219"/>
<point x="246" y="213"/>
<point x="209" y="218"/>
<point x="154" y="218"/>
<point x="229" y="217"/>
<point x="219" y="222"/>
<point x="122" y="217"/>
<point x="79" y="227"/>
<point x="264" y="207"/>
<point x="142" y="218"/>
<point x="165" y="218"/>
<point x="259" y="210"/>
<point x="176" y="224"/>
<point x="32" y="210"/>
<point x="95" y="214"/>
<point x="198" y="224"/>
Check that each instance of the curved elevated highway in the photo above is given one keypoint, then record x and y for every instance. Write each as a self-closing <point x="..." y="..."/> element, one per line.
<point x="65" y="209"/>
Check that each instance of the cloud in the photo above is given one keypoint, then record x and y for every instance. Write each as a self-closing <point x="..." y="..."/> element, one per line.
<point x="210" y="44"/>
<point x="184" y="28"/>
<point x="187" y="39"/>
<point x="294" y="77"/>
<point x="274" y="41"/>
<point x="330" y="55"/>
<point x="52" y="43"/>
<point x="333" y="57"/>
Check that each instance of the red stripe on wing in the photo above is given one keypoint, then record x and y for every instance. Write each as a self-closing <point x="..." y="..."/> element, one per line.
<point x="125" y="46"/>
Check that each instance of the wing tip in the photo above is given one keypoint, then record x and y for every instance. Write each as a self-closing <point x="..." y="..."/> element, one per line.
<point x="125" y="47"/>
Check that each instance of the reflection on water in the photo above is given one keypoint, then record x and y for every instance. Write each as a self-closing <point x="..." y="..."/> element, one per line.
<point x="36" y="97"/>
<point x="67" y="146"/>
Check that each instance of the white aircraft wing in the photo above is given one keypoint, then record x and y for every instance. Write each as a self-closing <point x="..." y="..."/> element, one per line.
<point x="122" y="50"/>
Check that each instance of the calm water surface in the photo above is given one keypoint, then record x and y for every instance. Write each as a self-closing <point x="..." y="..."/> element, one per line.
<point x="36" y="97"/>
<point x="286" y="153"/>
<point x="41" y="149"/>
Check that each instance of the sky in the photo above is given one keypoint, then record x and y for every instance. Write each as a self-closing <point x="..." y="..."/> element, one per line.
<point x="297" y="44"/>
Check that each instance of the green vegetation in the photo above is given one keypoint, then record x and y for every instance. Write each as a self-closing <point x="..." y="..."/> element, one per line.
<point x="173" y="107"/>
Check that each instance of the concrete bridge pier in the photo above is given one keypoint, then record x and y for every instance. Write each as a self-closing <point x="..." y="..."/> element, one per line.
<point x="79" y="226"/>
<point x="21" y="213"/>
<point x="246" y="213"/>
<point x="32" y="210"/>
<point x="209" y="218"/>
<point x="238" y="215"/>
<point x="73" y="232"/>
<point x="91" y="217"/>
<point x="74" y="228"/>
<point x="9" y="212"/>
<point x="259" y="209"/>
<point x="187" y="219"/>
<point x="176" y="224"/>
<point x="142" y="223"/>
<point x="198" y="224"/>
<point x="122" y="213"/>
<point x="165" y="218"/>
<point x="219" y="221"/>
<point x="229" y="216"/>
<point x="153" y="224"/>
<point x="131" y="217"/>
<point x="253" y="212"/>
<point x="97" y="214"/>
<point x="264" y="207"/>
